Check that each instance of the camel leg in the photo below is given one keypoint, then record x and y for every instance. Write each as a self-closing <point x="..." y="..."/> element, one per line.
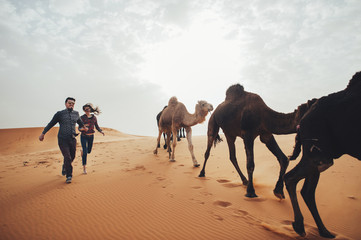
<point x="232" y="157"/>
<point x="178" y="135"/>
<point x="169" y="150"/>
<point x="165" y="142"/>
<point x="206" y="155"/>
<point x="291" y="179"/>
<point x="272" y="145"/>
<point x="158" y="142"/>
<point x="249" y="143"/>
<point x="172" y="158"/>
<point x="190" y="146"/>
<point x="308" y="194"/>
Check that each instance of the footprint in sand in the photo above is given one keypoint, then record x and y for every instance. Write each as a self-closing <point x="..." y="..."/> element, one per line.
<point x="232" y="185"/>
<point x="222" y="203"/>
<point x="206" y="194"/>
<point x="217" y="217"/>
<point x="240" y="213"/>
<point x="223" y="180"/>
<point x="227" y="183"/>
<point x="136" y="168"/>
<point x="196" y="187"/>
<point x="197" y="201"/>
<point x="257" y="199"/>
<point x="160" y="178"/>
<point x="280" y="230"/>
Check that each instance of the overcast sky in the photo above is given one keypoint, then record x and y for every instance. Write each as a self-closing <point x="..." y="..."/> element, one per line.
<point x="130" y="56"/>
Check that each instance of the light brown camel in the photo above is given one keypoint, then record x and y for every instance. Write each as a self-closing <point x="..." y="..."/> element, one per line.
<point x="244" y="114"/>
<point x="176" y="116"/>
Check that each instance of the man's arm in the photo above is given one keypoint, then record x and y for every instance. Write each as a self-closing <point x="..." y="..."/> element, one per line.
<point x="81" y="125"/>
<point x="51" y="124"/>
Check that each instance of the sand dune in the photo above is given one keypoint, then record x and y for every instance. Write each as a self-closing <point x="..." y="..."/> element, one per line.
<point x="129" y="193"/>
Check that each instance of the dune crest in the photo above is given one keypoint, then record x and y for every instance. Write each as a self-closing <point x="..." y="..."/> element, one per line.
<point x="26" y="140"/>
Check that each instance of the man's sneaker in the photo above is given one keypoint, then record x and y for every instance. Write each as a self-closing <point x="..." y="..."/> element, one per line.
<point x="68" y="180"/>
<point x="63" y="172"/>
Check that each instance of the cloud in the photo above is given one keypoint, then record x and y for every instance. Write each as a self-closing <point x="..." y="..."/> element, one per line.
<point x="295" y="45"/>
<point x="129" y="57"/>
<point x="94" y="60"/>
<point x="69" y="8"/>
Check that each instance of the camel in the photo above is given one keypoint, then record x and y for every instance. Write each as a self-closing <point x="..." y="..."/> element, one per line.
<point x="244" y="114"/>
<point x="179" y="132"/>
<point x="330" y="129"/>
<point x="158" y="118"/>
<point x="176" y="116"/>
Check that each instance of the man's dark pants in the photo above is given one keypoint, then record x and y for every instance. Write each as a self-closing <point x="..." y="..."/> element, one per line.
<point x="68" y="148"/>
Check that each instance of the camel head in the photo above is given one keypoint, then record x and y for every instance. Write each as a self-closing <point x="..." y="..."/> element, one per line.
<point x="303" y="108"/>
<point x="355" y="82"/>
<point x="203" y="108"/>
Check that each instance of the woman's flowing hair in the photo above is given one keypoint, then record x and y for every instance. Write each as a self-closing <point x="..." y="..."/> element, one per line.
<point x="93" y="109"/>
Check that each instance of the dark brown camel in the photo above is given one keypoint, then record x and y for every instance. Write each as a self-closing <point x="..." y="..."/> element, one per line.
<point x="244" y="114"/>
<point x="331" y="128"/>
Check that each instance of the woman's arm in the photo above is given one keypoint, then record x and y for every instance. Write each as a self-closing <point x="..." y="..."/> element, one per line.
<point x="97" y="126"/>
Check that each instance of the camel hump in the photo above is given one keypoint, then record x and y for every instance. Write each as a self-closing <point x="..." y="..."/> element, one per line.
<point x="355" y="82"/>
<point x="173" y="101"/>
<point x="234" y="91"/>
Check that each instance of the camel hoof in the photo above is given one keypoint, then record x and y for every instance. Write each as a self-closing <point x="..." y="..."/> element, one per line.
<point x="196" y="165"/>
<point x="326" y="234"/>
<point x="171" y="160"/>
<point x="251" y="195"/>
<point x="155" y="152"/>
<point x="279" y="195"/>
<point x="201" y="174"/>
<point x="299" y="229"/>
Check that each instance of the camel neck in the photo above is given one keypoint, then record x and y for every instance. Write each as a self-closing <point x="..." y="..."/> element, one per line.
<point x="281" y="123"/>
<point x="193" y="119"/>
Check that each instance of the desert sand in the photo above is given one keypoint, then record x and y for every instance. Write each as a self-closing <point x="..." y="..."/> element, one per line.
<point x="129" y="193"/>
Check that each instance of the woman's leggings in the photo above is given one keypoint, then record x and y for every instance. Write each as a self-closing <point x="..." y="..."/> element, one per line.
<point x="86" y="144"/>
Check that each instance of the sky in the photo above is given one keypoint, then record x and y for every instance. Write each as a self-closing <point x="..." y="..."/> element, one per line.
<point x="130" y="56"/>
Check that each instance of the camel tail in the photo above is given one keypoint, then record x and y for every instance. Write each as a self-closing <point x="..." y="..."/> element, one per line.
<point x="173" y="101"/>
<point x="296" y="148"/>
<point x="217" y="140"/>
<point x="213" y="132"/>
